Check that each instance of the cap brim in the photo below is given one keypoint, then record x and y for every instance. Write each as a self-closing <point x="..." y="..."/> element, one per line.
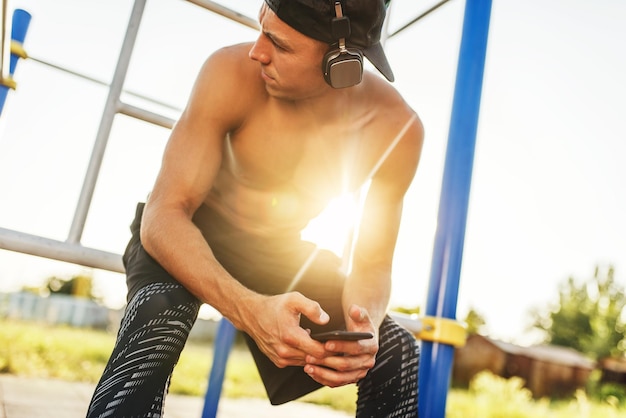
<point x="376" y="56"/>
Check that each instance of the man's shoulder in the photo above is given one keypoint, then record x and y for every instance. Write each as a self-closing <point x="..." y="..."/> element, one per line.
<point x="230" y="73"/>
<point x="385" y="103"/>
<point x="231" y="59"/>
<point x="393" y="122"/>
<point x="235" y="51"/>
<point x="380" y="91"/>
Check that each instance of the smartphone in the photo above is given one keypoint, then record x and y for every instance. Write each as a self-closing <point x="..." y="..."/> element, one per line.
<point x="342" y="336"/>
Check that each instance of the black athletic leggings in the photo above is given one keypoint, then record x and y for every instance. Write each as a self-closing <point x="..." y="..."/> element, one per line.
<point x="154" y="330"/>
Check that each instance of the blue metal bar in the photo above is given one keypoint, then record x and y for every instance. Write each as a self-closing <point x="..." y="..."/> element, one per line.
<point x="436" y="361"/>
<point x="223" y="343"/>
<point x="19" y="27"/>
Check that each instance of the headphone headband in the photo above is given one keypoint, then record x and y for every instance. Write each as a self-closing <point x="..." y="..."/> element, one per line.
<point x="340" y="25"/>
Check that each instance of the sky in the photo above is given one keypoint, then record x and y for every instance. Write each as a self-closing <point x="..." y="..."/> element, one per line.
<point x="548" y="190"/>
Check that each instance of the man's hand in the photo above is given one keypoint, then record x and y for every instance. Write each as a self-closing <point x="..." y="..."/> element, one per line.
<point x="346" y="361"/>
<point x="276" y="328"/>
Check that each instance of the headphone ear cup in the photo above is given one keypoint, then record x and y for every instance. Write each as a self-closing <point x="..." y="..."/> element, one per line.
<point x="343" y="68"/>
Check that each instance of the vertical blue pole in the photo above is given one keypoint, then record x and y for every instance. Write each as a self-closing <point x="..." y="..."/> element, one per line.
<point x="223" y="343"/>
<point x="20" y="22"/>
<point x="436" y="361"/>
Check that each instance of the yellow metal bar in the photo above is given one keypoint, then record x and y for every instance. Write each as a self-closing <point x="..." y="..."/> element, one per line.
<point x="442" y="330"/>
<point x="8" y="82"/>
<point x="18" y="49"/>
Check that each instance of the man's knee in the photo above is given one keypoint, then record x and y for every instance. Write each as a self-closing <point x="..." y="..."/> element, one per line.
<point x="397" y="339"/>
<point x="162" y="305"/>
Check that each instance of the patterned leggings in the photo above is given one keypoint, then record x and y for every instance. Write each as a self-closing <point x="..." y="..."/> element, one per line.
<point x="154" y="330"/>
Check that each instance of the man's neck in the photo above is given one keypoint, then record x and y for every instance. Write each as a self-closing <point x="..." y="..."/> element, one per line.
<point x="324" y="107"/>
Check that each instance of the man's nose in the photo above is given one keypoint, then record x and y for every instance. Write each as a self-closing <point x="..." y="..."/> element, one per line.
<point x="259" y="51"/>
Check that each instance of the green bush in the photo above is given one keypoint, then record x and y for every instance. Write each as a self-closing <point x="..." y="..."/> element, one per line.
<point x="611" y="393"/>
<point x="491" y="396"/>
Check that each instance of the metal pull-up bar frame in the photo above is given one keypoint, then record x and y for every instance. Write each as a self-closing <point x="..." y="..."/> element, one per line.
<point x="71" y="250"/>
<point x="5" y="42"/>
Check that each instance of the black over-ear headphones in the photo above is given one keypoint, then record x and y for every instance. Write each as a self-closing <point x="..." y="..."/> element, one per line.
<point x="342" y="67"/>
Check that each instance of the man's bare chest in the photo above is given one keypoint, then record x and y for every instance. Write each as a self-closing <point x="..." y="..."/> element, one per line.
<point x="315" y="163"/>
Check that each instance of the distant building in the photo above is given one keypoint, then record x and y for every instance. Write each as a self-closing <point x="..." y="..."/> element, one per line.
<point x="546" y="369"/>
<point x="54" y="309"/>
<point x="62" y="309"/>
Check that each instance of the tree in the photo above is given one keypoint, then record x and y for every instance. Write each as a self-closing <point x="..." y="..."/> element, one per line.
<point x="589" y="317"/>
<point x="79" y="285"/>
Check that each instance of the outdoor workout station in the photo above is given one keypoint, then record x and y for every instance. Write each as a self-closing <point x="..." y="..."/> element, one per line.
<point x="438" y="329"/>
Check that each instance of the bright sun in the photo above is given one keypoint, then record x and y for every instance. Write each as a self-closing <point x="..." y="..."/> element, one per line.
<point x="331" y="229"/>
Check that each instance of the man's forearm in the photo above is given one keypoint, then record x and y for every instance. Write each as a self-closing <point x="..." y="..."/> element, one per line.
<point x="177" y="244"/>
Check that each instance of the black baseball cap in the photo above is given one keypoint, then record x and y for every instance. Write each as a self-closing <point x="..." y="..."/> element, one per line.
<point x="313" y="18"/>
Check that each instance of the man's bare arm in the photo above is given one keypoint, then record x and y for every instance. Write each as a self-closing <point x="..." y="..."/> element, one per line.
<point x="190" y="165"/>
<point x="369" y="282"/>
<point x="368" y="287"/>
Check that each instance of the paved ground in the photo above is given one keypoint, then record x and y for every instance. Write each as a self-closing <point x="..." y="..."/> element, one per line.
<point x="38" y="398"/>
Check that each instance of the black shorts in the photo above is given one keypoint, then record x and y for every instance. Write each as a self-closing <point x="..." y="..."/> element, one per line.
<point x="267" y="266"/>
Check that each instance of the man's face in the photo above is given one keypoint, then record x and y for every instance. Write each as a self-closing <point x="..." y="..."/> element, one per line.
<point x="290" y="61"/>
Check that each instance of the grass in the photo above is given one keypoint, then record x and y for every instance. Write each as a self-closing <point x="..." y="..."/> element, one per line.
<point x="37" y="350"/>
<point x="33" y="350"/>
<point x="78" y="354"/>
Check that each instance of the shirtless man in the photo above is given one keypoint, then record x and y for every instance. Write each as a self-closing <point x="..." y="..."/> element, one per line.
<point x="263" y="145"/>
